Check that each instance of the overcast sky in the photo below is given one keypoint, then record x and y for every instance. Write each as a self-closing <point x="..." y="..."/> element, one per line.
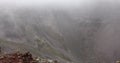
<point x="45" y="2"/>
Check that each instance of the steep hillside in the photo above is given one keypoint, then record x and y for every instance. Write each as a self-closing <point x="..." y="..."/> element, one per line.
<point x="79" y="35"/>
<point x="52" y="33"/>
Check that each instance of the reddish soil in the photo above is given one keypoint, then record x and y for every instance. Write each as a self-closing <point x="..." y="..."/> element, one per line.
<point x="17" y="58"/>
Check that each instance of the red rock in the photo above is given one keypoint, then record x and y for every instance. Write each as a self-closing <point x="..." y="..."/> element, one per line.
<point x="17" y="58"/>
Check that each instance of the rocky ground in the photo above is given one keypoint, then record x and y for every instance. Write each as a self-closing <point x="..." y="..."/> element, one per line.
<point x="27" y="57"/>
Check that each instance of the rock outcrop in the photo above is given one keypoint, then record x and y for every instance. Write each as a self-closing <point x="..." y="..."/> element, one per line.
<point x="27" y="57"/>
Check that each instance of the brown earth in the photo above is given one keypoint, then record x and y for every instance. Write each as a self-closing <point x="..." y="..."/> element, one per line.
<point x="17" y="58"/>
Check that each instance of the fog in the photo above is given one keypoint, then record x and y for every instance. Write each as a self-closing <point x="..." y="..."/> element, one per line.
<point x="85" y="31"/>
<point x="43" y="2"/>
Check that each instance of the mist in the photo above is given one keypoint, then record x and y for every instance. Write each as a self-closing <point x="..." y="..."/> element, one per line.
<point x="83" y="31"/>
